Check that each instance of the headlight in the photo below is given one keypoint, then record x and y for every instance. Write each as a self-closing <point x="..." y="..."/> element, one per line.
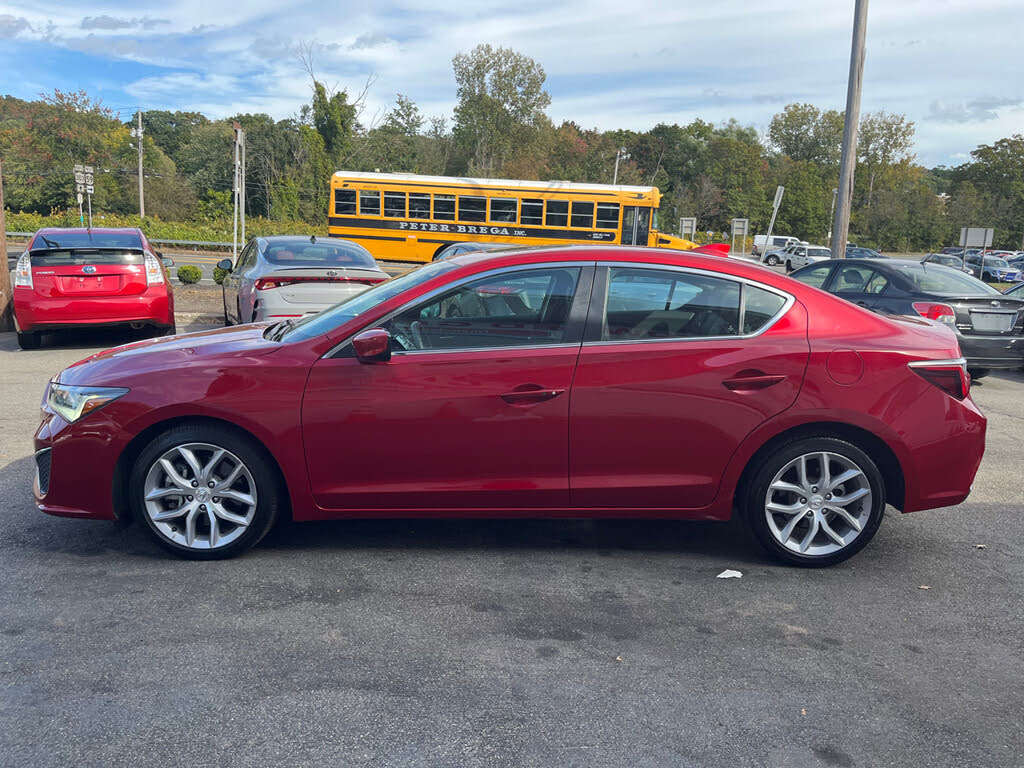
<point x="72" y="403"/>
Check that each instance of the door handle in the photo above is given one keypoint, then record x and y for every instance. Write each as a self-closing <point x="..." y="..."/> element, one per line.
<point x="862" y="304"/>
<point x="530" y="393"/>
<point x="753" y="382"/>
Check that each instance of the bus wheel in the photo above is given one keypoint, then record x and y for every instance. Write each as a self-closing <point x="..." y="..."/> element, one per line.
<point x="438" y="251"/>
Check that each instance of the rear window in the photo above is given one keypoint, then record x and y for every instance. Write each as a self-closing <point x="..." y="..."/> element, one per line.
<point x="86" y="239"/>
<point x="71" y="257"/>
<point x="303" y="253"/>
<point x="935" y="278"/>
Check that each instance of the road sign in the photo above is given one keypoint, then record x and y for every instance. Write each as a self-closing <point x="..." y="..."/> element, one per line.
<point x="740" y="227"/>
<point x="87" y="169"/>
<point x="976" y="237"/>
<point x="778" y="196"/>
<point x="89" y="189"/>
<point x="687" y="227"/>
<point x="79" y="198"/>
<point x="79" y="168"/>
<point x="79" y="177"/>
<point x="79" y="188"/>
<point x="88" y="178"/>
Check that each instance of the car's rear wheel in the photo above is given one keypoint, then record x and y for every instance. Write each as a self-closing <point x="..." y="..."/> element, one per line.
<point x="227" y="320"/>
<point x="772" y="260"/>
<point x="789" y="266"/>
<point x="815" y="502"/>
<point x="27" y="339"/>
<point x="205" y="492"/>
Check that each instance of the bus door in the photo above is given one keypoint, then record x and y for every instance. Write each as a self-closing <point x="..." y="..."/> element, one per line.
<point x="636" y="224"/>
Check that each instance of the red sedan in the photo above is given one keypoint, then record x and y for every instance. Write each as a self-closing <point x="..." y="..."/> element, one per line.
<point x="563" y="382"/>
<point x="90" y="277"/>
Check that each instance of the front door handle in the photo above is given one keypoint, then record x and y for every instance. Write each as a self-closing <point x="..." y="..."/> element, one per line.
<point x="530" y="393"/>
<point x="753" y="382"/>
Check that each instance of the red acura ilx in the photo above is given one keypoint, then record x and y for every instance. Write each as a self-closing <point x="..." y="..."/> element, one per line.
<point x="569" y="382"/>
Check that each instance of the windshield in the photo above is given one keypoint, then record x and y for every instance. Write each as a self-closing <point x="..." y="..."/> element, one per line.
<point x="937" y="279"/>
<point x="991" y="262"/>
<point x="322" y="253"/>
<point x="86" y="238"/>
<point x="949" y="261"/>
<point x="330" y="318"/>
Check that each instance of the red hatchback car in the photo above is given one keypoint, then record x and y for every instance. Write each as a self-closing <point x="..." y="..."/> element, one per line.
<point x="90" y="277"/>
<point x="569" y="382"/>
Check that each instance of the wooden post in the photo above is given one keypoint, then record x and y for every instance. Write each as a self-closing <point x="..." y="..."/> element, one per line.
<point x="6" y="296"/>
<point x="848" y="164"/>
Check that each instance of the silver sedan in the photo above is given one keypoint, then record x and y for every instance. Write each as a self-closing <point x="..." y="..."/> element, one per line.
<point x="290" y="276"/>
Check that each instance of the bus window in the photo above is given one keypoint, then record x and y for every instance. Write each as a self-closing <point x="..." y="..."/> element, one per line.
<point x="503" y="210"/>
<point x="394" y="204"/>
<point x="472" y="208"/>
<point x="444" y="207"/>
<point x="344" y="202"/>
<point x="583" y="214"/>
<point x="558" y="213"/>
<point x="532" y="212"/>
<point x="419" y="206"/>
<point x="607" y="215"/>
<point x="369" y="202"/>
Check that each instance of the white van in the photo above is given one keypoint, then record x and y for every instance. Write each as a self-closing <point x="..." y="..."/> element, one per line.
<point x="777" y="242"/>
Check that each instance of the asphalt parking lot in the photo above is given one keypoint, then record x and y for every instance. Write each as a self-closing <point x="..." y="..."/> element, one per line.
<point x="509" y="643"/>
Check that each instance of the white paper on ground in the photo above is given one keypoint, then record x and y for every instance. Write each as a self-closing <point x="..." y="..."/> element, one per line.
<point x="728" y="573"/>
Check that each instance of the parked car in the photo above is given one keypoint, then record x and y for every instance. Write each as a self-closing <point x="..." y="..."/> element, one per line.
<point x="989" y="327"/>
<point x="993" y="269"/>
<point x="289" y="276"/>
<point x="468" y="247"/>
<point x="70" y="278"/>
<point x="571" y="382"/>
<point x="775" y="242"/>
<point x="954" y="262"/>
<point x="859" y="252"/>
<point x="803" y="254"/>
<point x="775" y="256"/>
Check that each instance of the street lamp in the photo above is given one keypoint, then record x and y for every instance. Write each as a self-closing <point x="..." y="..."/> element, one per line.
<point x="622" y="154"/>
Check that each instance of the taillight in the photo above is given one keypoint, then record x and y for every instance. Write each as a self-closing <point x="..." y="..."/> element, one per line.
<point x="154" y="270"/>
<point x="23" y="271"/>
<point x="948" y="375"/>
<point x="266" y="283"/>
<point x="933" y="311"/>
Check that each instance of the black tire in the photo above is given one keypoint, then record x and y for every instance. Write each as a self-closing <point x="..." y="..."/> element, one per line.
<point x="270" y="493"/>
<point x="165" y="330"/>
<point x="753" y="503"/>
<point x="224" y="299"/>
<point x="789" y="267"/>
<point x="979" y="373"/>
<point x="29" y="340"/>
<point x="772" y="260"/>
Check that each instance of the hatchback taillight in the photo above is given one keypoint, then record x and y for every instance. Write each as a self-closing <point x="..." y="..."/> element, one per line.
<point x="935" y="311"/>
<point x="154" y="270"/>
<point x="948" y="375"/>
<point x="23" y="271"/>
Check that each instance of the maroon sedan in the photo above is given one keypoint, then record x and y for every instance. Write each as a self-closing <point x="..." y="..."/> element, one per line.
<point x="568" y="382"/>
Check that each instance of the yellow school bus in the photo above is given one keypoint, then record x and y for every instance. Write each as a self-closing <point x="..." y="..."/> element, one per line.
<point x="406" y="217"/>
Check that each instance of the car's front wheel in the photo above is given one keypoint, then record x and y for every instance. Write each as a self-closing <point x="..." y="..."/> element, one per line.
<point x="205" y="492"/>
<point x="815" y="502"/>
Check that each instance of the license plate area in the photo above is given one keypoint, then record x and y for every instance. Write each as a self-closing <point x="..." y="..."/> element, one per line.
<point x="993" y="322"/>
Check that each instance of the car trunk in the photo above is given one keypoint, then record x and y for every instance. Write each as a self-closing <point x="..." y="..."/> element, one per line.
<point x="322" y="286"/>
<point x="988" y="315"/>
<point x="81" y="273"/>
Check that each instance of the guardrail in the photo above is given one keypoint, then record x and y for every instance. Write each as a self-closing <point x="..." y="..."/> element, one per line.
<point x="193" y="243"/>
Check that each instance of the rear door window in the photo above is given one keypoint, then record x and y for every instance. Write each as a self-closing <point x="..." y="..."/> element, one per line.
<point x="815" y="276"/>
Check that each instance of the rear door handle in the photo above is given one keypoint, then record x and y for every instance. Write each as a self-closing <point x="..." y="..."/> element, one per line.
<point x="530" y="393"/>
<point x="751" y="383"/>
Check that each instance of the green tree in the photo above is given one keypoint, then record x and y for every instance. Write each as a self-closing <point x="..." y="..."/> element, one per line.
<point x="884" y="141"/>
<point x="806" y="133"/>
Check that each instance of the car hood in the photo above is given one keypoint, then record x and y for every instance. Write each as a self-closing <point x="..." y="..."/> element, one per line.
<point x="204" y="348"/>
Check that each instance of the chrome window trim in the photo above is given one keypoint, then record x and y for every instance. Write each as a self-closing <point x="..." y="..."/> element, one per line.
<point x="789" y="301"/>
<point x="953" y="362"/>
<point x="456" y="284"/>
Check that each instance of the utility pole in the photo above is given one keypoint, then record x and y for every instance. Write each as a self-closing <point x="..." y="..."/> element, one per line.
<point x="841" y="223"/>
<point x="831" y="217"/>
<point x="6" y="295"/>
<point x="242" y="205"/>
<point x="619" y="155"/>
<point x="235" y="185"/>
<point x="137" y="135"/>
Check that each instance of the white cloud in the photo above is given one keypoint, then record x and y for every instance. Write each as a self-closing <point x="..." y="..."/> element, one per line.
<point x="949" y="66"/>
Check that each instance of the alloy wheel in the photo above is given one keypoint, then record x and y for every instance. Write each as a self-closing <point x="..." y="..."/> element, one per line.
<point x="818" y="503"/>
<point x="199" y="496"/>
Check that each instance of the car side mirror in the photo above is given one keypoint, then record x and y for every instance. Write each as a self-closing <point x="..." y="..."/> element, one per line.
<point x="224" y="264"/>
<point x="372" y="346"/>
<point x="167" y="260"/>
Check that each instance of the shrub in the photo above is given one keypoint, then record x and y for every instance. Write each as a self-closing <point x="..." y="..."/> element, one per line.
<point x="189" y="274"/>
<point x="219" y="275"/>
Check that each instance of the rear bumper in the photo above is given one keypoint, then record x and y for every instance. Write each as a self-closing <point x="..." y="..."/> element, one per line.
<point x="36" y="313"/>
<point x="992" y="351"/>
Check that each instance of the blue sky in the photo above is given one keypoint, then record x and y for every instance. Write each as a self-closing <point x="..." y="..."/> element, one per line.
<point x="952" y="66"/>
